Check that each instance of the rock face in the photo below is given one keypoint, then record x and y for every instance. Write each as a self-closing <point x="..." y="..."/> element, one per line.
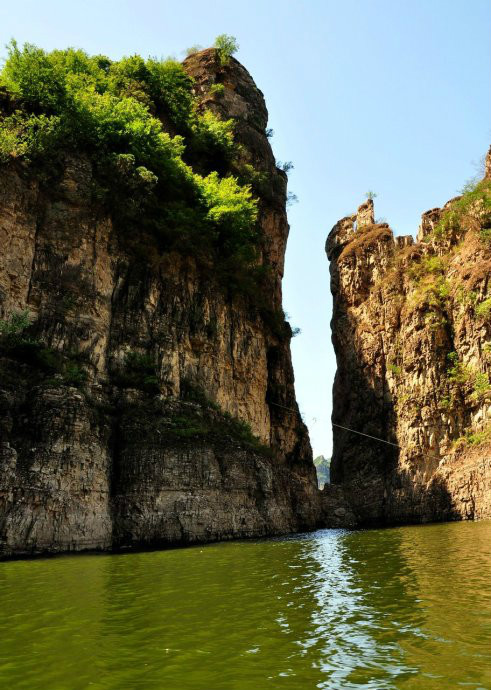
<point x="411" y="329"/>
<point x="117" y="459"/>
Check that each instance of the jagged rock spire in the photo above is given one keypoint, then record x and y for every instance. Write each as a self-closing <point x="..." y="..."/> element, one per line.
<point x="365" y="214"/>
<point x="487" y="173"/>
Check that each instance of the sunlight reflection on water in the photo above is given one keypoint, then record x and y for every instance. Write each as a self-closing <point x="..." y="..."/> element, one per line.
<point x="406" y="608"/>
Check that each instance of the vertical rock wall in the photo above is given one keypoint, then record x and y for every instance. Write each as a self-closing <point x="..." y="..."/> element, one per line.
<point x="411" y="331"/>
<point x="109" y="462"/>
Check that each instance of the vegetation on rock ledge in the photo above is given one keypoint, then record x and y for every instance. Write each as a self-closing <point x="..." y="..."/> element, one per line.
<point x="138" y="123"/>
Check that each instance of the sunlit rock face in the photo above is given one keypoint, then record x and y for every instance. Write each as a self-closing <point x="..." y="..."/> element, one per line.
<point x="111" y="464"/>
<point x="411" y="329"/>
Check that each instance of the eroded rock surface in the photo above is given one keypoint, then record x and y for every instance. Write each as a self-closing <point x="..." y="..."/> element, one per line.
<point x="114" y="462"/>
<point x="411" y="329"/>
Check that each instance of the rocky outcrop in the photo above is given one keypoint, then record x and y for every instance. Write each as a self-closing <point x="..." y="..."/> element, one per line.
<point x="122" y="411"/>
<point x="411" y="330"/>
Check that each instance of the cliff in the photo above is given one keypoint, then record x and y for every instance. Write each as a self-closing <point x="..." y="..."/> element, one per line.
<point x="146" y="386"/>
<point x="411" y="329"/>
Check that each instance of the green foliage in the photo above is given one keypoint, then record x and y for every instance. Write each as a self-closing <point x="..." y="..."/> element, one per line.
<point x="370" y="195"/>
<point x="485" y="235"/>
<point x="229" y="205"/>
<point x="74" y="374"/>
<point x="192" y="50"/>
<point x="217" y="89"/>
<point x="458" y="372"/>
<point x="473" y="207"/>
<point x="465" y="297"/>
<point x="17" y="344"/>
<point x="14" y="325"/>
<point x="226" y="46"/>
<point x="395" y="369"/>
<point x="478" y="437"/>
<point x="433" y="264"/>
<point x="138" y="372"/>
<point x="191" y="392"/>
<point x="213" y="137"/>
<point x="33" y="77"/>
<point x="443" y="288"/>
<point x="223" y="424"/>
<point x="285" y="166"/>
<point x="483" y="310"/>
<point x="481" y="385"/>
<point x="171" y="88"/>
<point x="474" y="438"/>
<point x="446" y="402"/>
<point x="67" y="101"/>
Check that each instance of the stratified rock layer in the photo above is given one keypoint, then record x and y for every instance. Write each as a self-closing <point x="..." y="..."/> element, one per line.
<point x="106" y="464"/>
<point x="412" y="336"/>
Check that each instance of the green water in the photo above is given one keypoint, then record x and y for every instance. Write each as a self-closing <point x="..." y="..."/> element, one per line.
<point x="405" y="608"/>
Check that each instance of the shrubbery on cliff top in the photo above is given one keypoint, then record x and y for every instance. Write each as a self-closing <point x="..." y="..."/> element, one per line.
<point x="114" y="112"/>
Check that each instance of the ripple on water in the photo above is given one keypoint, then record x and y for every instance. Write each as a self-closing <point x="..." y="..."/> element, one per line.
<point x="406" y="608"/>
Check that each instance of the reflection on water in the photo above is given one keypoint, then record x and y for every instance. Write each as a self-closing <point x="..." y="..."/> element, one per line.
<point x="406" y="608"/>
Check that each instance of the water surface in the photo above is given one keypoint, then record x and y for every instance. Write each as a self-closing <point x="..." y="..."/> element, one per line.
<point x="406" y="608"/>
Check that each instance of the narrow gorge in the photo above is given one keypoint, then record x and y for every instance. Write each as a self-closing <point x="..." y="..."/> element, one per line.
<point x="146" y="383"/>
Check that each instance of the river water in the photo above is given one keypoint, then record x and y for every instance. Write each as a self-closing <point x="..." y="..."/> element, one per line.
<point x="406" y="608"/>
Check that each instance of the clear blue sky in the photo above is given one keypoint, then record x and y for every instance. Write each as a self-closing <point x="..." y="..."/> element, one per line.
<point x="388" y="95"/>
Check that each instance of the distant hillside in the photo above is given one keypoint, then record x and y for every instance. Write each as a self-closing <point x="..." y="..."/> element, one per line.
<point x="323" y="469"/>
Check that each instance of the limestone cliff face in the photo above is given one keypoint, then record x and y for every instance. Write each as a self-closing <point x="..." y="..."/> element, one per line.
<point x="412" y="334"/>
<point x="143" y="457"/>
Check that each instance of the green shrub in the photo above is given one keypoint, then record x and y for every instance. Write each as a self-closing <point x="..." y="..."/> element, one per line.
<point x="485" y="235"/>
<point x="139" y="372"/>
<point x="194" y="423"/>
<point x="474" y="206"/>
<point x="226" y="46"/>
<point x="483" y="310"/>
<point x="465" y="297"/>
<point x="443" y="288"/>
<point x="192" y="50"/>
<point x="35" y="78"/>
<point x="14" y="325"/>
<point x="395" y="369"/>
<point x="285" y="166"/>
<point x="217" y="89"/>
<point x="231" y="208"/>
<point x="446" y="402"/>
<point x="478" y="437"/>
<point x="433" y="264"/>
<point x="44" y="360"/>
<point x="74" y="374"/>
<point x="110" y="111"/>
<point x="171" y="88"/>
<point x="473" y="438"/>
<point x="481" y="385"/>
<point x="458" y="372"/>
<point x="213" y="137"/>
